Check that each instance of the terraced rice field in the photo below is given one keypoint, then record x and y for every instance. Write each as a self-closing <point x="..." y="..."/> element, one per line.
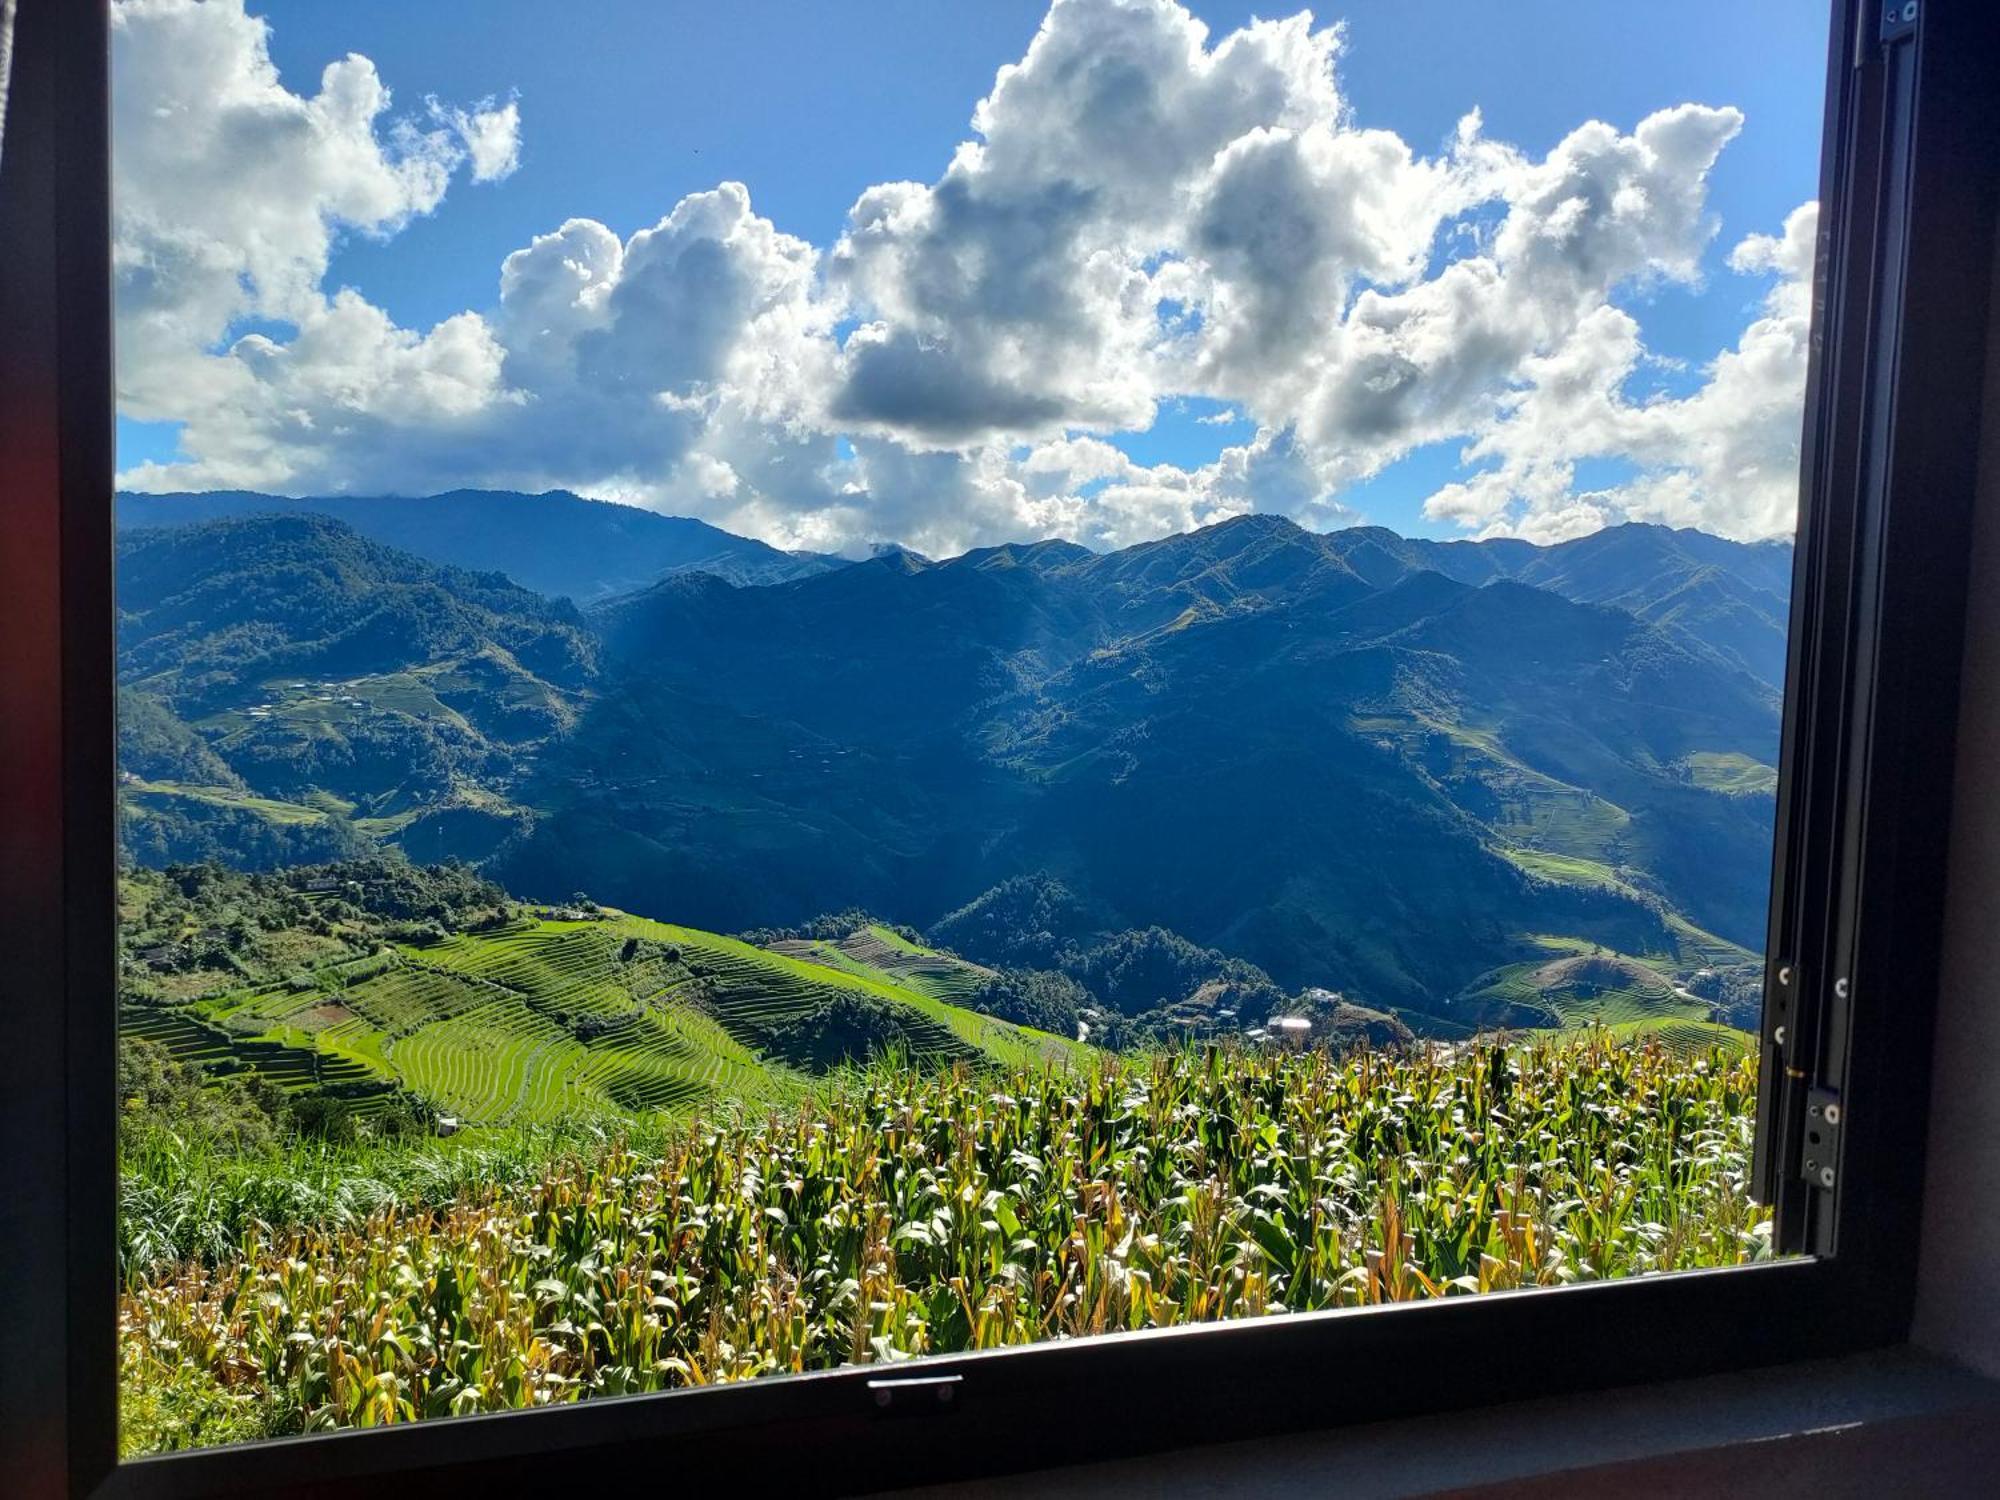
<point x="186" y="1035"/>
<point x="1631" y="998"/>
<point x="318" y="1056"/>
<point x="952" y="980"/>
<point x="1688" y="1040"/>
<point x="1731" y="772"/>
<point x="748" y="989"/>
<point x="880" y="954"/>
<point x="564" y="1023"/>
<point x="542" y="1020"/>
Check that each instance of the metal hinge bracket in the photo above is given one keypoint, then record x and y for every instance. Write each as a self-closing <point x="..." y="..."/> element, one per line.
<point x="1899" y="20"/>
<point x="1819" y="1150"/>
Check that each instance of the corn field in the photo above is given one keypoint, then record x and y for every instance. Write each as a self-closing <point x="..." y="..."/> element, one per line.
<point x="905" y="1214"/>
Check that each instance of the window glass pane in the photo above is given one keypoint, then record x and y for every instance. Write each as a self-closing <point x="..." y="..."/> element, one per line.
<point x="825" y="683"/>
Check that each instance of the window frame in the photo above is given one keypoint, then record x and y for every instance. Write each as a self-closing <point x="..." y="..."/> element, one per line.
<point x="1878" y="609"/>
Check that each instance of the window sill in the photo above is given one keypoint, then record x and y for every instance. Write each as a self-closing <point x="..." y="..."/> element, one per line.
<point x="1896" y="1421"/>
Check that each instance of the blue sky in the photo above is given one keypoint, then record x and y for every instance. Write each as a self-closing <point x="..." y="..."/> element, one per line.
<point x="626" y="106"/>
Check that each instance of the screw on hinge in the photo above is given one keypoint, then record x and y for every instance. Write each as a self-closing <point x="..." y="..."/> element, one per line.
<point x="1778" y="1035"/>
<point x="1785" y="975"/>
<point x="1840" y="988"/>
<point x="908" y="1397"/>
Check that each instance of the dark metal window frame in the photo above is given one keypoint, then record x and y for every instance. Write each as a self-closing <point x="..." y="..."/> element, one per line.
<point x="1905" y="262"/>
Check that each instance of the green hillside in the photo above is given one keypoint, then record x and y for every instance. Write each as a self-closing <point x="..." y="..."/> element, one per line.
<point x="292" y="691"/>
<point x="1574" y="985"/>
<point x="751" y="990"/>
<point x="1201" y="733"/>
<point x="546" y="1018"/>
<point x="879" y="952"/>
<point x="297" y="1040"/>
<point x="1738" y="775"/>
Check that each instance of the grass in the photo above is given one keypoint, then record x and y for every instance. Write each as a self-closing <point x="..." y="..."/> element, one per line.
<point x="1569" y="869"/>
<point x="183" y="1202"/>
<point x="906" y="1213"/>
<point x="223" y="796"/>
<point x="1732" y="772"/>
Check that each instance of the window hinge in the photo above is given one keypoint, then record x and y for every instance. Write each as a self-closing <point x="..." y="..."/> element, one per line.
<point x="1780" y="994"/>
<point x="1898" y="20"/>
<point x="1819" y="1150"/>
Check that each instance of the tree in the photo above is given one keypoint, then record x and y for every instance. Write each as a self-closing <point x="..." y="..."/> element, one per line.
<point x="1041" y="998"/>
<point x="157" y="1092"/>
<point x="849" y="1029"/>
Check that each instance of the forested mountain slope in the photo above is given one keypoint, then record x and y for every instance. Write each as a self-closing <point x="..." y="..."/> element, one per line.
<point x="286" y="670"/>
<point x="1373" y="777"/>
<point x="1361" y="762"/>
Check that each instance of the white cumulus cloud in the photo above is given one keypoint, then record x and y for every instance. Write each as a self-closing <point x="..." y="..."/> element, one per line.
<point x="230" y="188"/>
<point x="490" y="133"/>
<point x="1143" y="212"/>
<point x="1724" y="457"/>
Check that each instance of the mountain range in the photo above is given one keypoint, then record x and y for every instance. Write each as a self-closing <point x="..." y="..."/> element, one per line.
<point x="554" y="543"/>
<point x="1381" y="765"/>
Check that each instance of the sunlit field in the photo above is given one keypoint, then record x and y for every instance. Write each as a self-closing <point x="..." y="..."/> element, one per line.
<point x="900" y="1213"/>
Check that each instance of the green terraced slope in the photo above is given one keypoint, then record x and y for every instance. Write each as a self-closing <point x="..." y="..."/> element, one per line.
<point x="878" y="952"/>
<point x="748" y="988"/>
<point x="1689" y="1039"/>
<point x="541" y="1019"/>
<point x="1573" y="986"/>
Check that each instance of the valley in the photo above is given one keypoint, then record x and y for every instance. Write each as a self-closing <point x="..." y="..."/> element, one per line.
<point x="1358" y="762"/>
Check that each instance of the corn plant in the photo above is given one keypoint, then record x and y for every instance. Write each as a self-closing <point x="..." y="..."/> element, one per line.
<point x="904" y="1214"/>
